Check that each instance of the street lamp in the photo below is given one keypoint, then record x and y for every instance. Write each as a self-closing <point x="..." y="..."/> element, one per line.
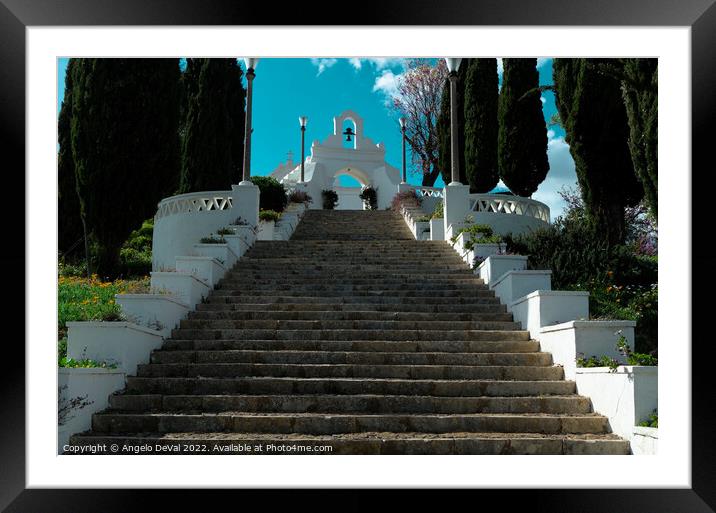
<point x="453" y="65"/>
<point x="402" y="130"/>
<point x="251" y="63"/>
<point x="303" y="120"/>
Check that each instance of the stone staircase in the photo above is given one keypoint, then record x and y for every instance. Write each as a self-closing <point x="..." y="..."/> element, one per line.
<point x="355" y="335"/>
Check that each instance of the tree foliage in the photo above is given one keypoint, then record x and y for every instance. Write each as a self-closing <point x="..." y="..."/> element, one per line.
<point x="272" y="193"/>
<point x="480" y="124"/>
<point x="522" y="135"/>
<point x="70" y="233"/>
<point x="592" y="111"/>
<point x="418" y="100"/>
<point x="640" y="93"/>
<point x="124" y="135"/>
<point x="213" y="127"/>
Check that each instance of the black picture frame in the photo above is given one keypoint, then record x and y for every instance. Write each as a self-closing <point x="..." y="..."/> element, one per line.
<point x="700" y="15"/>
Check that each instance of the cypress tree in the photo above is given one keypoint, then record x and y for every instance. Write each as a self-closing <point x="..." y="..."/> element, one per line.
<point x="640" y="93"/>
<point x="125" y="145"/>
<point x="592" y="111"/>
<point x="69" y="226"/>
<point x="480" y="106"/>
<point x="522" y="135"/>
<point x="444" y="151"/>
<point x="213" y="130"/>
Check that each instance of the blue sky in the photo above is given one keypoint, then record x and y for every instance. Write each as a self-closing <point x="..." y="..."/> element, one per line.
<point x="322" y="88"/>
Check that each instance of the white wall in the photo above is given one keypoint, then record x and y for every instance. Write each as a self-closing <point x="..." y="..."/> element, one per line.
<point x="626" y="396"/>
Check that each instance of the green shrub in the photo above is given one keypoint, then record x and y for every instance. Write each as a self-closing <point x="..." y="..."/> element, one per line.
<point x="61" y="349"/>
<point x="300" y="197"/>
<point x="135" y="255"/>
<point x="212" y="240"/>
<point x="82" y="299"/>
<point x="72" y="270"/>
<point x="477" y="234"/>
<point x="273" y="193"/>
<point x="269" y="215"/>
<point x="239" y="221"/>
<point x="593" y="361"/>
<point x="438" y="212"/>
<point x="405" y="199"/>
<point x="225" y="231"/>
<point x="330" y="199"/>
<point x="370" y="196"/>
<point x="622" y="283"/>
<point x="653" y="421"/>
<point x="85" y="363"/>
<point x="632" y="357"/>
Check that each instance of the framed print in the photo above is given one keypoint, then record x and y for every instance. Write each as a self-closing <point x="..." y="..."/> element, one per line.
<point x="421" y="241"/>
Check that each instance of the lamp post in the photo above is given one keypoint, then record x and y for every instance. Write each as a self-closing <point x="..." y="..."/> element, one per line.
<point x="453" y="65"/>
<point x="251" y="63"/>
<point x="402" y="131"/>
<point x="303" y="120"/>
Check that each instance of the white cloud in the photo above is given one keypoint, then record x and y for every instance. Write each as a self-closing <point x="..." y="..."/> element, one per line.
<point x="387" y="83"/>
<point x="500" y="66"/>
<point x="379" y="63"/>
<point x="323" y="64"/>
<point x="561" y="173"/>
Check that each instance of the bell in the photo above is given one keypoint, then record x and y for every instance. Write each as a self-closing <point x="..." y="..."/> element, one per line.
<point x="348" y="133"/>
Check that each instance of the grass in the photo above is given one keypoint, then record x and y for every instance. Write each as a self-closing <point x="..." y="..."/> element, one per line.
<point x="82" y="299"/>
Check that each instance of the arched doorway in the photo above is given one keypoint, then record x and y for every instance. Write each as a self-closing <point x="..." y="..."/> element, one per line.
<point x="348" y="184"/>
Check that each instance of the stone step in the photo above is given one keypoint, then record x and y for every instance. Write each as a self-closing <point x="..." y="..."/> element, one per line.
<point x="240" y="273"/>
<point x="237" y="370"/>
<point x="336" y="287"/>
<point x="327" y="325"/>
<point x="295" y="244"/>
<point x="273" y="385"/>
<point x="350" y="334"/>
<point x="362" y="267"/>
<point x="288" y="356"/>
<point x="396" y="309"/>
<point x="244" y="275"/>
<point x="397" y="301"/>
<point x="322" y="424"/>
<point x="233" y="281"/>
<point x="365" y="403"/>
<point x="403" y="261"/>
<point x="363" y="443"/>
<point x="337" y="315"/>
<point x="398" y="248"/>
<point x="353" y="334"/>
<point x="338" y="233"/>
<point x="404" y="255"/>
<point x="336" y="291"/>
<point x="408" y="346"/>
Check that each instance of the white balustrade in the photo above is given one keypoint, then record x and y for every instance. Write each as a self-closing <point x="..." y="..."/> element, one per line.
<point x="182" y="220"/>
<point x="194" y="202"/>
<point x="504" y="204"/>
<point x="428" y="192"/>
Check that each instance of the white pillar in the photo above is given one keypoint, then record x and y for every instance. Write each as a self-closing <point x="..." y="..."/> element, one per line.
<point x="245" y="202"/>
<point x="456" y="207"/>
